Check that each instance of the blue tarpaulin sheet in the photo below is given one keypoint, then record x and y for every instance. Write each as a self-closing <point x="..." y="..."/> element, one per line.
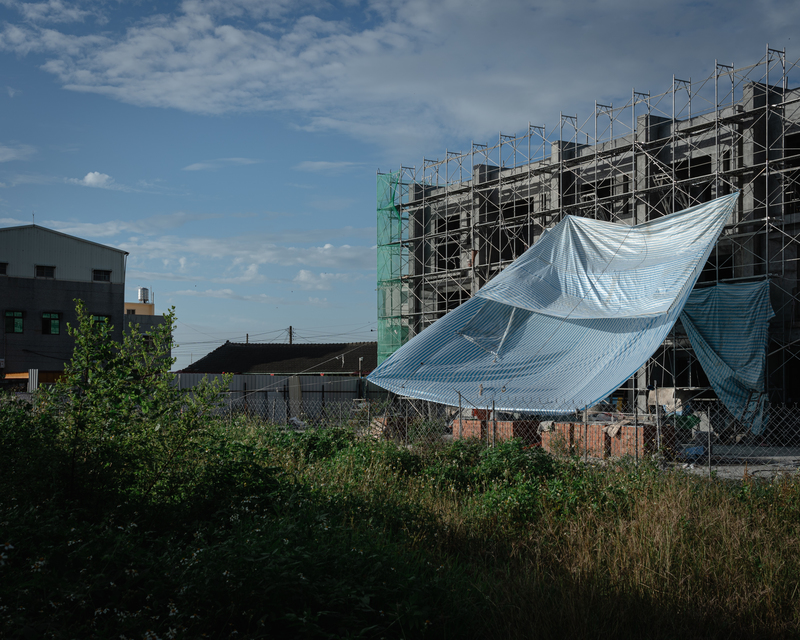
<point x="566" y="323"/>
<point x="728" y="325"/>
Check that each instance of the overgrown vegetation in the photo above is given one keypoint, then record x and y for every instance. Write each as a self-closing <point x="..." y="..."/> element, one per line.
<point x="127" y="509"/>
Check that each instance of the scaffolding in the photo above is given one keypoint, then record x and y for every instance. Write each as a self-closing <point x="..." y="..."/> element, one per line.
<point x="447" y="227"/>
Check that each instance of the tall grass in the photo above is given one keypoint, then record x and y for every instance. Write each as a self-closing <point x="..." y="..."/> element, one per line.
<point x="326" y="535"/>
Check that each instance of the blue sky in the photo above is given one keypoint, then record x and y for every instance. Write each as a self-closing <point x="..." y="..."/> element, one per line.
<point x="231" y="146"/>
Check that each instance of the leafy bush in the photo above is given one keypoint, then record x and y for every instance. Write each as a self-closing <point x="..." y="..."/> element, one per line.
<point x="513" y="461"/>
<point x="120" y="420"/>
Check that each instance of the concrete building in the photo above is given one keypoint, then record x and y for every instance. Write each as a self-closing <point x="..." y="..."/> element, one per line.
<point x="143" y="313"/>
<point x="448" y="226"/>
<point x="42" y="273"/>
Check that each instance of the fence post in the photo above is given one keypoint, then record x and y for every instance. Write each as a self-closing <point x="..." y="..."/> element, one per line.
<point x="405" y="417"/>
<point x="636" y="422"/>
<point x="658" y="417"/>
<point x="494" y="425"/>
<point x="586" y="433"/>
<point x="709" y="441"/>
<point x="460" y="419"/>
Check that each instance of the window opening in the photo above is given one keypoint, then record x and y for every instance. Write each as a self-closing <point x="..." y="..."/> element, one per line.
<point x="51" y="324"/>
<point x="101" y="275"/>
<point x="14" y="322"/>
<point x="43" y="271"/>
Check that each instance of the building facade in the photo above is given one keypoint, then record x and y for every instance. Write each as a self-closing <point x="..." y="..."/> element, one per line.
<point x="42" y="273"/>
<point x="447" y="227"/>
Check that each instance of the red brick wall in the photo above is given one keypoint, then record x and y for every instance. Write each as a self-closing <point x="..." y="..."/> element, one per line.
<point x="469" y="429"/>
<point x="625" y="441"/>
<point x="563" y="434"/>
<point x="505" y="430"/>
<point x="524" y="429"/>
<point x="598" y="442"/>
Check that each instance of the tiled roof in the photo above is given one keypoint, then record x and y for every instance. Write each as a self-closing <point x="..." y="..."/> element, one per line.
<point x="334" y="358"/>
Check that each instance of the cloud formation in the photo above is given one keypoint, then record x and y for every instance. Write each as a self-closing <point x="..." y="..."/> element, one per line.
<point x="152" y="225"/>
<point x="220" y="163"/>
<point x="407" y="73"/>
<point x="308" y="280"/>
<point x="96" y="179"/>
<point x="16" y="152"/>
<point x="254" y="249"/>
<point x="52" y="11"/>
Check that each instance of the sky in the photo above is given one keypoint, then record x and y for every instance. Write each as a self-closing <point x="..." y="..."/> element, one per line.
<point x="231" y="146"/>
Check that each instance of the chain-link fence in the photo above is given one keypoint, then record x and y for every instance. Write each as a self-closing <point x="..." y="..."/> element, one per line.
<point x="701" y="436"/>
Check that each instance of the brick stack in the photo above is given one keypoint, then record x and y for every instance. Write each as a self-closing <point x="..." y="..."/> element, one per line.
<point x="527" y="430"/>
<point x="567" y="437"/>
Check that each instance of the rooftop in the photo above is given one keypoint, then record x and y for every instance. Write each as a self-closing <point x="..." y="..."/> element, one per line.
<point x="340" y="358"/>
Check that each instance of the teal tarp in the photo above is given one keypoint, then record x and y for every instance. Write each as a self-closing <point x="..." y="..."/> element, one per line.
<point x="728" y="328"/>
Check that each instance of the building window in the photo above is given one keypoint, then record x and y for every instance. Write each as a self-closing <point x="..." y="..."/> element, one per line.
<point x="14" y="322"/>
<point x="131" y="312"/>
<point x="101" y="275"/>
<point x="3" y="268"/>
<point x="45" y="272"/>
<point x="99" y="319"/>
<point x="51" y="324"/>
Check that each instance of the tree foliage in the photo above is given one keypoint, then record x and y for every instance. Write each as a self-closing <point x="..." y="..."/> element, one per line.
<point x="123" y="420"/>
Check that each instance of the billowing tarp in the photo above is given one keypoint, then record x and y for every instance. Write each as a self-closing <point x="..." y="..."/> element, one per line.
<point x="566" y="323"/>
<point x="728" y="327"/>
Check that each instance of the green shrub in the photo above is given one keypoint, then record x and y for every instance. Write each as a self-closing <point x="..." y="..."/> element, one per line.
<point x="119" y="419"/>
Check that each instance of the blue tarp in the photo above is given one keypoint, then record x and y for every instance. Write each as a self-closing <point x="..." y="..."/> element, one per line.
<point x="728" y="327"/>
<point x="568" y="322"/>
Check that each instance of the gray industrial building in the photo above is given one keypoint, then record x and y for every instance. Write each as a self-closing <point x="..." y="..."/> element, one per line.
<point x="448" y="226"/>
<point x="42" y="272"/>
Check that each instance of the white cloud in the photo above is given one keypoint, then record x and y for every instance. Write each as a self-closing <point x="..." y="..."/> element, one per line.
<point x="219" y="163"/>
<point x="308" y="280"/>
<point x="408" y="74"/>
<point x="12" y="92"/>
<point x="254" y="249"/>
<point x="12" y="222"/>
<point x="52" y="11"/>
<point x="319" y="302"/>
<point x="152" y="225"/>
<point x="96" y="179"/>
<point x="16" y="152"/>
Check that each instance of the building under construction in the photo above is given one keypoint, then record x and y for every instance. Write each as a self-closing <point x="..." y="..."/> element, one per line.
<point x="449" y="226"/>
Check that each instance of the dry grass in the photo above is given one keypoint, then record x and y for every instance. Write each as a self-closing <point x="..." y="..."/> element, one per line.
<point x="611" y="551"/>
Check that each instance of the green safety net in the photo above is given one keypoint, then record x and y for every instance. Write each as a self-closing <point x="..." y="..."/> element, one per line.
<point x="392" y="294"/>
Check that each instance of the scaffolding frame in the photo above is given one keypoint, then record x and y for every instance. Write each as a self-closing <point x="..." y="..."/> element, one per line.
<point x="457" y="222"/>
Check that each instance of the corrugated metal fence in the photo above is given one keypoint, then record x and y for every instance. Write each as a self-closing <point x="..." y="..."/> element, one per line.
<point x="279" y="398"/>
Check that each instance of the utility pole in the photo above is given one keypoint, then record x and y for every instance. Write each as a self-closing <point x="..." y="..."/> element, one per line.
<point x="290" y="334"/>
